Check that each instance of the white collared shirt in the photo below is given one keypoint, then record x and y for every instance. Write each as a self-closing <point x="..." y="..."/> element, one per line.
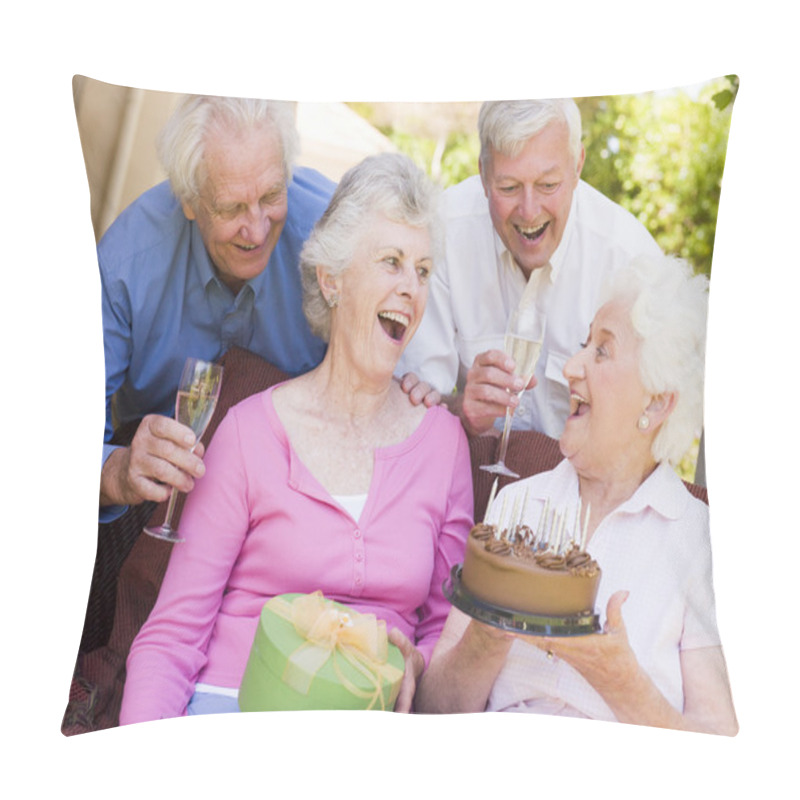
<point x="477" y="285"/>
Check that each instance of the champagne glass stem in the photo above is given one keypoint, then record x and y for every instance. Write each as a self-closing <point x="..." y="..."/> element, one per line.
<point x="173" y="497"/>
<point x="504" y="438"/>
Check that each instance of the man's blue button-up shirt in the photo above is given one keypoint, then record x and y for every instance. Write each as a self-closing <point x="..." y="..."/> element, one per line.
<point x="163" y="302"/>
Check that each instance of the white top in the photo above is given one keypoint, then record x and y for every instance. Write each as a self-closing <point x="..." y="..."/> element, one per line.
<point x="353" y="504"/>
<point x="477" y="285"/>
<point x="657" y="546"/>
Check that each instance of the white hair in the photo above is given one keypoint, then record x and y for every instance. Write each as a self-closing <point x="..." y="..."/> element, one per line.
<point x="668" y="310"/>
<point x="504" y="126"/>
<point x="388" y="184"/>
<point x="181" y="144"/>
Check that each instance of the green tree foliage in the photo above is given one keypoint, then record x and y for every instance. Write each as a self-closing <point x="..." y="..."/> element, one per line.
<point x="441" y="138"/>
<point x="448" y="160"/>
<point x="661" y="156"/>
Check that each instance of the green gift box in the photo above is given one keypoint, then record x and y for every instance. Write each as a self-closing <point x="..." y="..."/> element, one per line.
<point x="311" y="653"/>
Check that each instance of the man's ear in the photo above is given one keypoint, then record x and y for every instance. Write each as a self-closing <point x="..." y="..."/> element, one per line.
<point x="188" y="211"/>
<point x="581" y="159"/>
<point x="483" y="176"/>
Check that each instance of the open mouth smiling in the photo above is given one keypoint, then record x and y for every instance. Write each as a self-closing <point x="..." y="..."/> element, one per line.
<point x="532" y="234"/>
<point x="578" y="404"/>
<point x="394" y="323"/>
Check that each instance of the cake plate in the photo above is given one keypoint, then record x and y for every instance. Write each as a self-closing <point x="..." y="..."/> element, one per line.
<point x="516" y="621"/>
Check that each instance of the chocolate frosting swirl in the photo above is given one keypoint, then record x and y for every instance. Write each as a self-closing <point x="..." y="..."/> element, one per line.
<point x="482" y="531"/>
<point x="551" y="561"/>
<point x="499" y="547"/>
<point x="519" y="544"/>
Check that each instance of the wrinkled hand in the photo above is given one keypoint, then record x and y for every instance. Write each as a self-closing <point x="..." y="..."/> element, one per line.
<point x="419" y="391"/>
<point x="605" y="659"/>
<point x="161" y="456"/>
<point x="414" y="666"/>
<point x="491" y="388"/>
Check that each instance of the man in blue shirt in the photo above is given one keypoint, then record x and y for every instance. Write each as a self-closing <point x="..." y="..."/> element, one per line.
<point x="201" y="262"/>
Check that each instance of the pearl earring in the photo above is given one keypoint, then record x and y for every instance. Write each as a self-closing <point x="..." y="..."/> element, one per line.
<point x="333" y="301"/>
<point x="644" y="422"/>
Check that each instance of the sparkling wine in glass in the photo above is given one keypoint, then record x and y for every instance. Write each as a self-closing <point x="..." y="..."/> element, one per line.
<point x="197" y="397"/>
<point x="523" y="342"/>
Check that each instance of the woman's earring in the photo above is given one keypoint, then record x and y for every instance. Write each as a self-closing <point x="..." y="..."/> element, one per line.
<point x="333" y="300"/>
<point x="644" y="422"/>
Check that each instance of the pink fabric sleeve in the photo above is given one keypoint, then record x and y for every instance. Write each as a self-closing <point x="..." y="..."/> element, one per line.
<point x="169" y="651"/>
<point x="451" y="545"/>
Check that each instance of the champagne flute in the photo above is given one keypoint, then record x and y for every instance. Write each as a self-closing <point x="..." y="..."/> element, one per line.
<point x="197" y="397"/>
<point x="523" y="342"/>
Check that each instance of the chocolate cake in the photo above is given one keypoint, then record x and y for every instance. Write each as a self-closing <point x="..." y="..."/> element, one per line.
<point x="543" y="573"/>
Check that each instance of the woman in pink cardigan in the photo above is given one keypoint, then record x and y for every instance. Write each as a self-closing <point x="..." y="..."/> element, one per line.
<point x="331" y="481"/>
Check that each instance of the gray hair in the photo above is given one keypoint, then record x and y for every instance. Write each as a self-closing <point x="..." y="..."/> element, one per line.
<point x="388" y="184"/>
<point x="505" y="126"/>
<point x="181" y="144"/>
<point x="668" y="311"/>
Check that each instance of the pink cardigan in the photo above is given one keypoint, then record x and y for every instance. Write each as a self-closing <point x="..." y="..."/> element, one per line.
<point x="259" y="524"/>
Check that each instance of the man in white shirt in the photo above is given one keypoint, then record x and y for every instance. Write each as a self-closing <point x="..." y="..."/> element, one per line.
<point x="526" y="229"/>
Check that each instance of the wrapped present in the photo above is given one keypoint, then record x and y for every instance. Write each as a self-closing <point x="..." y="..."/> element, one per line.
<point x="311" y="653"/>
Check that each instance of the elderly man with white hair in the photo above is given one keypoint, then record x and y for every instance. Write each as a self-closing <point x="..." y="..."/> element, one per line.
<point x="526" y="229"/>
<point x="204" y="261"/>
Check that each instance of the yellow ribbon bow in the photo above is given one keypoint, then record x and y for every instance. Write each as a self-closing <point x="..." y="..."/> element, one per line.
<point x="329" y="633"/>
